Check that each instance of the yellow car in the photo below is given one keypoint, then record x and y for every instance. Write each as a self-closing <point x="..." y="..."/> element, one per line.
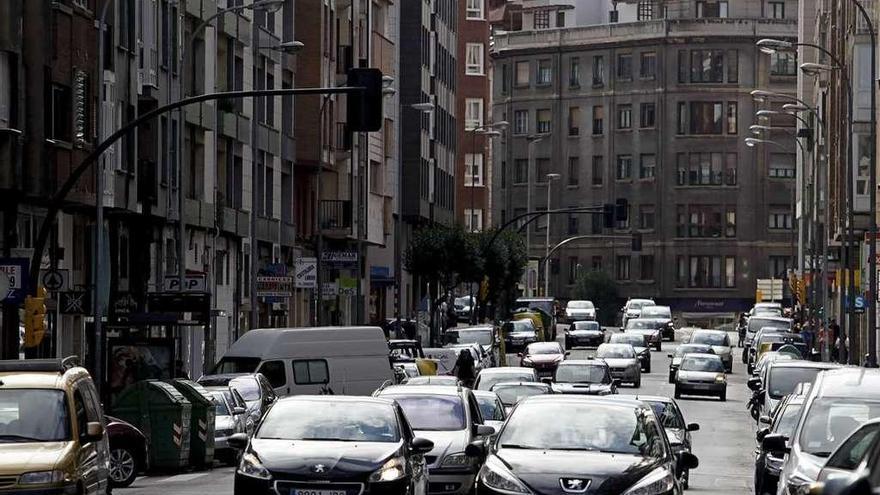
<point x="52" y="435"/>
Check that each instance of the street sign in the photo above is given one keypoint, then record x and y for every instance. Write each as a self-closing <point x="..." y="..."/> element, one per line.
<point x="194" y="283"/>
<point x="305" y="273"/>
<point x="337" y="258"/>
<point x="770" y="289"/>
<point x="274" y="286"/>
<point x="859" y="305"/>
<point x="75" y="302"/>
<point x="54" y="280"/>
<point x="16" y="270"/>
<point x="330" y="290"/>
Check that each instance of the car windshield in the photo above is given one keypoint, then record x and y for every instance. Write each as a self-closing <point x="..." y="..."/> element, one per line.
<point x="489" y="408"/>
<point x="247" y="387"/>
<point x="615" y="351"/>
<point x="631" y="339"/>
<point x="830" y="420"/>
<point x="639" y="304"/>
<point x="511" y="394"/>
<point x="586" y="325"/>
<point x="580" y="305"/>
<point x="345" y="421"/>
<point x="787" y="419"/>
<point x="668" y="414"/>
<point x="544" y="348"/>
<point x="233" y="364"/>
<point x="582" y="373"/>
<point x="639" y="324"/>
<point x="784" y="379"/>
<point x="709" y="338"/>
<point x="690" y="349"/>
<point x="656" y="312"/>
<point x="482" y="337"/>
<point x="220" y="404"/>
<point x="589" y="427"/>
<point x="756" y="324"/>
<point x="433" y="412"/>
<point x="33" y="415"/>
<point x="462" y="301"/>
<point x="702" y="363"/>
<point x="522" y="326"/>
<point x="486" y="381"/>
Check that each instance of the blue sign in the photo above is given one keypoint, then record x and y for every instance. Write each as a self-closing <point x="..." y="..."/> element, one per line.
<point x="16" y="271"/>
<point x="859" y="306"/>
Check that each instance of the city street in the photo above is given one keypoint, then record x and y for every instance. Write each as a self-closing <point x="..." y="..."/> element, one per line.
<point x="724" y="444"/>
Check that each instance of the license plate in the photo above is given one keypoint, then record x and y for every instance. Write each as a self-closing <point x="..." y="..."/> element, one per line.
<point x="310" y="491"/>
<point x="516" y="341"/>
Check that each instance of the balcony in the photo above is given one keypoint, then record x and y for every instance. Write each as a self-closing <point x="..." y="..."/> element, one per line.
<point x="336" y="217"/>
<point x="383" y="54"/>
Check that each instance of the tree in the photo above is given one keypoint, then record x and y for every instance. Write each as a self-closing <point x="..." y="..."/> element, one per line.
<point x="599" y="287"/>
<point x="504" y="263"/>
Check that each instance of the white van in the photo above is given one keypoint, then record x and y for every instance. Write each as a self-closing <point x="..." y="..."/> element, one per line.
<point x="307" y="361"/>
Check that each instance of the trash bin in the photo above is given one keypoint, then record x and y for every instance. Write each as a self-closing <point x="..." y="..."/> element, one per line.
<point x="163" y="415"/>
<point x="201" y="424"/>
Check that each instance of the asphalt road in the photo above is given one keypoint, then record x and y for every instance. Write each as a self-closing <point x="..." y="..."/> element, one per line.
<point x="724" y="444"/>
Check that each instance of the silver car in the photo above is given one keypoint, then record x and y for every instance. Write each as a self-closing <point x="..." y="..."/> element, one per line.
<point x="491" y="408"/>
<point x="230" y="418"/>
<point x="720" y="342"/>
<point x="633" y="309"/>
<point x="623" y="361"/>
<point x="701" y="374"/>
<point x="490" y="376"/>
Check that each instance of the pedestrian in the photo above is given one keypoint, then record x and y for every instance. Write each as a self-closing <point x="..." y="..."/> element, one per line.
<point x="741" y="329"/>
<point x="834" y="339"/>
<point x="464" y="368"/>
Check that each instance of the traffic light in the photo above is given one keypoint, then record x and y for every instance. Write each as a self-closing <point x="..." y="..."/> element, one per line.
<point x="35" y="318"/>
<point x="637" y="242"/>
<point x="364" y="109"/>
<point x="608" y="215"/>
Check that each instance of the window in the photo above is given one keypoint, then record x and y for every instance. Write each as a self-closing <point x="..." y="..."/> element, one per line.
<point x="521" y="122"/>
<point x="473" y="220"/>
<point x="573" y="267"/>
<point x="730" y="222"/>
<point x="596" y="263"/>
<point x="598" y="120"/>
<point x="705" y="117"/>
<point x="505" y="79"/>
<point x="624" y="167"/>
<point x="522" y="75"/>
<point x="707" y="66"/>
<point x="780" y="219"/>
<point x="310" y="371"/>
<point x="542" y="19"/>
<point x="574" y="171"/>
<point x="647" y="115"/>
<point x="705" y="271"/>
<point x="542" y="121"/>
<point x="782" y="166"/>
<point x="473" y="113"/>
<point x="574" y="119"/>
<point x="474" y="59"/>
<point x="646" y="267"/>
<point x="574" y="72"/>
<point x="598" y="170"/>
<point x="706" y="221"/>
<point x="711" y="9"/>
<point x="520" y="171"/>
<point x="542" y="168"/>
<point x="545" y="73"/>
<point x="682" y="127"/>
<point x="475" y="9"/>
<point x="645" y="10"/>
<point x="681" y="269"/>
<point x="473" y="174"/>
<point x="706" y="169"/>
<point x="624" y="67"/>
<point x="732" y="66"/>
<point x="598" y="70"/>
<point x="60" y="116"/>
<point x="503" y="175"/>
<point x="646" y="217"/>
<point x="624" y="116"/>
<point x="622" y="265"/>
<point x="647" y="166"/>
<point x="777" y="10"/>
<point x="729" y="272"/>
<point x="779" y="266"/>
<point x="5" y="90"/>
<point x="573" y="225"/>
<point x="274" y="372"/>
<point x="731" y="117"/>
<point x="648" y="65"/>
<point x="783" y="64"/>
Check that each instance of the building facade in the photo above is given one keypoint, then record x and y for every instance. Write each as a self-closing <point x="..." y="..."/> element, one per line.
<point x="634" y="110"/>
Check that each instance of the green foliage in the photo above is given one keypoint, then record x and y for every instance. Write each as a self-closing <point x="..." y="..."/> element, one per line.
<point x="599" y="287"/>
<point x="505" y="262"/>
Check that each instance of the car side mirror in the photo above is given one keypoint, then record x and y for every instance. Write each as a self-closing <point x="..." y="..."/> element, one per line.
<point x="693" y="427"/>
<point x="548" y="380"/>
<point x="475" y="449"/>
<point x="485" y="430"/>
<point x="669" y="356"/>
<point x="754" y="383"/>
<point x="760" y="434"/>
<point x="843" y="485"/>
<point x="764" y="419"/>
<point x="775" y="442"/>
<point x="421" y="445"/>
<point x="687" y="461"/>
<point x="271" y="399"/>
<point x="238" y="441"/>
<point x="567" y="353"/>
<point x="237" y="411"/>
<point x="94" y="431"/>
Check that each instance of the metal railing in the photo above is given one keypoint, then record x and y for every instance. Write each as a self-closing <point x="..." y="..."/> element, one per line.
<point x="335" y="214"/>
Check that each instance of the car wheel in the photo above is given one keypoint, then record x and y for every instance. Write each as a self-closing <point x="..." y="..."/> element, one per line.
<point x="677" y="393"/>
<point x="648" y="367"/>
<point x="567" y="345"/>
<point x="123" y="467"/>
<point x="671" y="377"/>
<point x="637" y="383"/>
<point x="723" y="396"/>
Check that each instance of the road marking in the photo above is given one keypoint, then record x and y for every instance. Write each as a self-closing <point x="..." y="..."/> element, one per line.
<point x="183" y="477"/>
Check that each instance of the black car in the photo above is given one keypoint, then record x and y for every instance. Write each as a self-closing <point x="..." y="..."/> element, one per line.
<point x="677" y="431"/>
<point x="640" y="344"/>
<point x="518" y="334"/>
<point x="584" y="334"/>
<point x="589" y="377"/>
<point x="676" y="357"/>
<point x="332" y="444"/>
<point x="598" y="445"/>
<point x="769" y="464"/>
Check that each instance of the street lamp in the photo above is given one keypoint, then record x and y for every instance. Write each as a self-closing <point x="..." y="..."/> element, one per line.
<point x="293" y="46"/>
<point x="550" y="179"/>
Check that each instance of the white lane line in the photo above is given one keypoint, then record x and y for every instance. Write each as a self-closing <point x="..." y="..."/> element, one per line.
<point x="183" y="477"/>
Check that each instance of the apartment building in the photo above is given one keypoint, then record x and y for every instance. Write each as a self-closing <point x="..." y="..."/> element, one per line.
<point x="632" y="108"/>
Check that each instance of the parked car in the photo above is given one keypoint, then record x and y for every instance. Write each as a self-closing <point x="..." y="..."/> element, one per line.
<point x="664" y="315"/>
<point x="856" y="454"/>
<point x="766" y="309"/>
<point x="756" y="323"/>
<point x="230" y="418"/>
<point x="485" y="336"/>
<point x="680" y="351"/>
<point x="405" y="350"/>
<point x="490" y="376"/>
<point x="769" y="464"/>
<point x="579" y="311"/>
<point x="623" y="361"/>
<point x="768" y="340"/>
<point x="677" y="431"/>
<point x="389" y="458"/>
<point x="443" y="357"/>
<point x="648" y="327"/>
<point x="768" y="358"/>
<point x="543" y="356"/>
<point x="547" y="307"/>
<point x="511" y="393"/>
<point x="585" y="377"/>
<point x="491" y="408"/>
<point x="639" y="342"/>
<point x="254" y="388"/>
<point x="128" y="452"/>
<point x="633" y="309"/>
<point x="481" y="360"/>
<point x="518" y="334"/>
<point x="464" y="307"/>
<point x="720" y="342"/>
<point x="584" y="334"/>
<point x="701" y="374"/>
<point x="780" y="379"/>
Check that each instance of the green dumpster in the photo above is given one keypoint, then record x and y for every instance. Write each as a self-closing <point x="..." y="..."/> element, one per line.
<point x="163" y="415"/>
<point x="201" y="425"/>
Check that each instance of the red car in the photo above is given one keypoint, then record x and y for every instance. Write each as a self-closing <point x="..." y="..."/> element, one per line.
<point x="128" y="452"/>
<point x="544" y="357"/>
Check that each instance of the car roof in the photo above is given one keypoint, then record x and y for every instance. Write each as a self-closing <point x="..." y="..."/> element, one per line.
<point x="337" y="398"/>
<point x="485" y="394"/>
<point x="847" y="382"/>
<point x="445" y="390"/>
<point x="581" y="362"/>
<point x="638" y="299"/>
<point x="800" y="363"/>
<point x="506" y="370"/>
<point x="704" y="355"/>
<point x="520" y="384"/>
<point x="587" y="399"/>
<point x="654" y="398"/>
<point x="609" y="344"/>
<point x="709" y="330"/>
<point x="481" y="328"/>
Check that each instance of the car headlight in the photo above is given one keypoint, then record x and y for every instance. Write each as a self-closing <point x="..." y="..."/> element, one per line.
<point x="661" y="480"/>
<point x="720" y="379"/>
<point x="42" y="477"/>
<point x="251" y="466"/>
<point x="392" y="470"/>
<point x="457" y="460"/>
<point x="496" y="476"/>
